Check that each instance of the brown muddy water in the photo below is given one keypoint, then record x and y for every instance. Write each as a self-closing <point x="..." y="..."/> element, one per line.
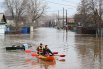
<point x="82" y="51"/>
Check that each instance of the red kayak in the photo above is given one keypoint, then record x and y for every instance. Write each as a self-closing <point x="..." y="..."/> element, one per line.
<point x="46" y="58"/>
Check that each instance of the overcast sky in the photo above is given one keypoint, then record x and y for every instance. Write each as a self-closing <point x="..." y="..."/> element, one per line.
<point x="1" y="7"/>
<point x="57" y="5"/>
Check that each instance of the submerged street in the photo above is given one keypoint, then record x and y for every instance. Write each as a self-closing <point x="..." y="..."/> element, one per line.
<point x="82" y="51"/>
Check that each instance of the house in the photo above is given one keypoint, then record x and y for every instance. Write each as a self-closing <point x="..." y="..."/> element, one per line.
<point x="10" y="21"/>
<point x="22" y="27"/>
<point x="70" y="20"/>
<point x="2" y="23"/>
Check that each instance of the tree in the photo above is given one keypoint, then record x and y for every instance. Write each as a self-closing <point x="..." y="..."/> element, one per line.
<point x="83" y="12"/>
<point x="31" y="10"/>
<point x="17" y="9"/>
<point x="35" y="9"/>
<point x="91" y="12"/>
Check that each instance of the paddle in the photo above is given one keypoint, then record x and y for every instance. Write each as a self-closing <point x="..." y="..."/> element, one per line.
<point x="60" y="55"/>
<point x="61" y="59"/>
<point x="55" y="54"/>
<point x="35" y="54"/>
<point x="28" y="51"/>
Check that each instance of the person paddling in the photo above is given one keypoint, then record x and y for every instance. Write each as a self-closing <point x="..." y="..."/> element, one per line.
<point x="47" y="51"/>
<point x="40" y="49"/>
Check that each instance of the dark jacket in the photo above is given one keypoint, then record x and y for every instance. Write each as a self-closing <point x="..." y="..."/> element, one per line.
<point x="47" y="51"/>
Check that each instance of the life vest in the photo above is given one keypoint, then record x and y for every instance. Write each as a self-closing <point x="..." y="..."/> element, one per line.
<point x="40" y="50"/>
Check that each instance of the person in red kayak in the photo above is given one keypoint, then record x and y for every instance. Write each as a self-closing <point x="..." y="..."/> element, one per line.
<point x="40" y="49"/>
<point x="47" y="51"/>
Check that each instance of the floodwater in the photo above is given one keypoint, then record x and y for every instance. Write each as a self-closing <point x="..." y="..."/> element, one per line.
<point x="82" y="51"/>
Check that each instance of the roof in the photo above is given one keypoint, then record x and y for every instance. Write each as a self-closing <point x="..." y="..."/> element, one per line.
<point x="9" y="17"/>
<point x="2" y="18"/>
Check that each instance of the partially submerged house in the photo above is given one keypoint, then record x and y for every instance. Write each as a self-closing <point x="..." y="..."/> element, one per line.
<point x="22" y="26"/>
<point x="2" y="23"/>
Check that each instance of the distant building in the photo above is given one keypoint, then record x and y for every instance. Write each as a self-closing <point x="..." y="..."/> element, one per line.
<point x="71" y="23"/>
<point x="70" y="20"/>
<point x="2" y="23"/>
<point x="10" y="20"/>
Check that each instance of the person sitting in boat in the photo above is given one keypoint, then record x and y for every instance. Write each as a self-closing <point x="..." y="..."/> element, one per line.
<point x="40" y="49"/>
<point x="47" y="51"/>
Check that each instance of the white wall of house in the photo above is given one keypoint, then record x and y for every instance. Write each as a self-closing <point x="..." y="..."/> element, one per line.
<point x="2" y="29"/>
<point x="10" y="22"/>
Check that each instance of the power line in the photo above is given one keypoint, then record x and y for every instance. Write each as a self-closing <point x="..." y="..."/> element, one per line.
<point x="61" y="4"/>
<point x="59" y="10"/>
<point x="53" y="11"/>
<point x="69" y="1"/>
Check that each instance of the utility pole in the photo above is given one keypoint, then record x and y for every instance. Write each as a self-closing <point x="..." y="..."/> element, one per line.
<point x="66" y="26"/>
<point x="63" y="18"/>
<point x="66" y="22"/>
<point x="58" y="19"/>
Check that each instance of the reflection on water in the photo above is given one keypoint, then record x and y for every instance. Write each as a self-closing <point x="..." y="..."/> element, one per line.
<point x="82" y="51"/>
